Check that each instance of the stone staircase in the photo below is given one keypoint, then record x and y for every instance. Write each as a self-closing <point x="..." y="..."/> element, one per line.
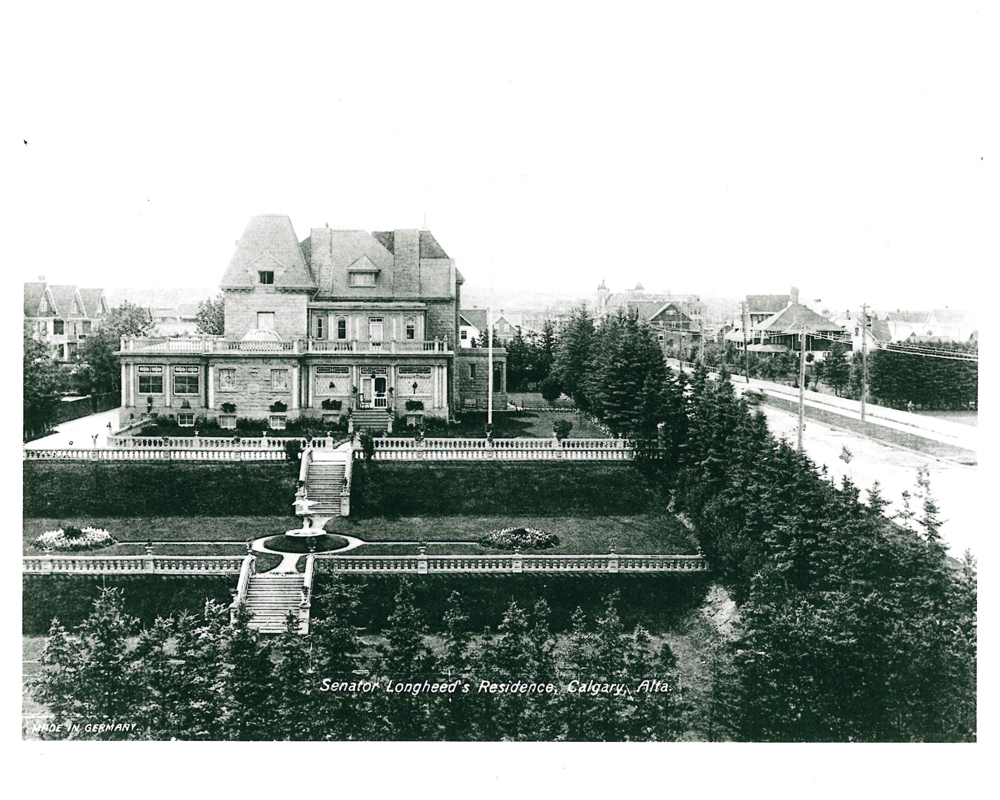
<point x="324" y="484"/>
<point x="270" y="597"/>
<point x="370" y="419"/>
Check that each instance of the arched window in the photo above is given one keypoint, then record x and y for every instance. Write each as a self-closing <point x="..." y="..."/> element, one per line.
<point x="411" y="329"/>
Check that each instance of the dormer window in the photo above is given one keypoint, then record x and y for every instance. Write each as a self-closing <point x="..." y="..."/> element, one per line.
<point x="362" y="279"/>
<point x="266" y="277"/>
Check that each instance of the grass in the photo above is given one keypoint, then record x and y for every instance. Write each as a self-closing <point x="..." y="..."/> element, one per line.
<point x="642" y="534"/>
<point x="535" y="400"/>
<point x="312" y="544"/>
<point x="133" y="532"/>
<point x="513" y="424"/>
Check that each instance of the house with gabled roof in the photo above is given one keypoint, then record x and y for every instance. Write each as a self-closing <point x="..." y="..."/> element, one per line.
<point x="62" y="315"/>
<point x="344" y="323"/>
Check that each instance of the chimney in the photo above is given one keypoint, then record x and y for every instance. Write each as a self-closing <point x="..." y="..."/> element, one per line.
<point x="406" y="267"/>
<point x="41" y="278"/>
<point x="321" y="257"/>
<point x="795" y="297"/>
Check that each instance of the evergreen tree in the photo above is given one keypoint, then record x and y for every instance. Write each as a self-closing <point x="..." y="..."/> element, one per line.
<point x="89" y="678"/>
<point x="573" y="354"/>
<point x="211" y="316"/>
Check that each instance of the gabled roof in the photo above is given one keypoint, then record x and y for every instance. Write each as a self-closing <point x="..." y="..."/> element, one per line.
<point x="476" y="317"/>
<point x="797" y="318"/>
<point x="33" y="294"/>
<point x="880" y="330"/>
<point x="63" y="296"/>
<point x="269" y="243"/>
<point x="681" y="307"/>
<point x="91" y="298"/>
<point x="767" y="303"/>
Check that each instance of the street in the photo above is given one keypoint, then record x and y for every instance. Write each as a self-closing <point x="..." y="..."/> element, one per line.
<point x="954" y="486"/>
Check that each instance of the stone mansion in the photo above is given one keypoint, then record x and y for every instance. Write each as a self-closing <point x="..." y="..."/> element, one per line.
<point x="341" y="324"/>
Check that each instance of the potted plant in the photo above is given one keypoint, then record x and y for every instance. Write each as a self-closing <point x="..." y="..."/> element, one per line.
<point x="278" y="407"/>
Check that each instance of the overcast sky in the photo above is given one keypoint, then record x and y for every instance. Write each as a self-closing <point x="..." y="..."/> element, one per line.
<point x="694" y="147"/>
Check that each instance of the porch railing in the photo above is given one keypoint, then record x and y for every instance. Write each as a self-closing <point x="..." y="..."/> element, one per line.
<point x="157" y="344"/>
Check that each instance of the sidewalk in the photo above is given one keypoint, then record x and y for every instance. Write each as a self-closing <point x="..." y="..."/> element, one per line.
<point x="79" y="433"/>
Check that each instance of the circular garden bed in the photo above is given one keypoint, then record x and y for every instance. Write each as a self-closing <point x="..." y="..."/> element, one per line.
<point x="305" y="544"/>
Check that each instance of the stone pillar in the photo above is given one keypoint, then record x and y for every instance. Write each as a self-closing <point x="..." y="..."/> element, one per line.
<point x="296" y="388"/>
<point x="309" y="387"/>
<point x="167" y="378"/>
<point x="211" y="385"/>
<point x="124" y="386"/>
<point x="422" y="560"/>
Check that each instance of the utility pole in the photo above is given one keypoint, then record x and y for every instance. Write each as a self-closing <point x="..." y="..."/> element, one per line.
<point x="746" y="352"/>
<point x="802" y="382"/>
<point x="864" y="358"/>
<point x="489" y="369"/>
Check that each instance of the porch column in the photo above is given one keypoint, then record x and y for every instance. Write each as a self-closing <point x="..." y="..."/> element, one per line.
<point x="211" y="386"/>
<point x="166" y="384"/>
<point x="436" y="380"/>
<point x="124" y="386"/>
<point x="296" y="388"/>
<point x="309" y="387"/>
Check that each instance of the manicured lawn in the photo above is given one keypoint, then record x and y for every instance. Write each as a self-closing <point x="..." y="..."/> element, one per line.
<point x="640" y="535"/>
<point x="513" y="424"/>
<point x="133" y="532"/>
<point x="535" y="400"/>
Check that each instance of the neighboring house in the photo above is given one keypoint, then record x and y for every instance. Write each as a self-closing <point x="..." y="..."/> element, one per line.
<point x="471" y="325"/>
<point x="341" y="322"/>
<point x="782" y="330"/>
<point x="179" y="321"/>
<point x="677" y="320"/>
<point x="876" y="332"/>
<point x="63" y="316"/>
<point x="945" y="324"/>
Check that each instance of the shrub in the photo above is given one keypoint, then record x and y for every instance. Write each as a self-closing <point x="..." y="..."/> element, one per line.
<point x="367" y="445"/>
<point x="414" y="405"/>
<point x="551" y="390"/>
<point x="525" y="538"/>
<point x="332" y="405"/>
<point x="435" y="423"/>
<point x="278" y="407"/>
<point x="293" y="449"/>
<point x="562" y="427"/>
<point x="228" y="408"/>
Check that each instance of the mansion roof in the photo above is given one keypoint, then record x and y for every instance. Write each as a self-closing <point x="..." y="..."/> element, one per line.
<point x="403" y="264"/>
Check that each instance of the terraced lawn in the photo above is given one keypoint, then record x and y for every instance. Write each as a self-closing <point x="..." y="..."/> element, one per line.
<point x="641" y="534"/>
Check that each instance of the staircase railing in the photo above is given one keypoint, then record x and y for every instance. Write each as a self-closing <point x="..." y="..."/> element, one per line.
<point x="306" y="604"/>
<point x="345" y="492"/>
<point x="248" y="569"/>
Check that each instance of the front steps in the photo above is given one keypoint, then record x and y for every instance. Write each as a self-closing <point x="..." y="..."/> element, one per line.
<point x="324" y="485"/>
<point x="270" y="598"/>
<point x="371" y="419"/>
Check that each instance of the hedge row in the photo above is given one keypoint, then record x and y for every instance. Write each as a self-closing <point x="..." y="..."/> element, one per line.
<point x="655" y="601"/>
<point x="71" y="597"/>
<point x="399" y="489"/>
<point x="55" y="489"/>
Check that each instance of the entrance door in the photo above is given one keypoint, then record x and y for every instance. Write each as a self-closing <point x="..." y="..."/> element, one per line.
<point x="367" y="392"/>
<point x="380" y="398"/>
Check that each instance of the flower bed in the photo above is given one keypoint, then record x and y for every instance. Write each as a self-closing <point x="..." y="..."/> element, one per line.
<point x="523" y="538"/>
<point x="75" y="539"/>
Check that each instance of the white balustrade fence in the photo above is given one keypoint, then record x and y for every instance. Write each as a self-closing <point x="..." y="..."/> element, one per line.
<point x="516" y="563"/>
<point x="402" y="449"/>
<point x="146" y="564"/>
<point x="195" y="448"/>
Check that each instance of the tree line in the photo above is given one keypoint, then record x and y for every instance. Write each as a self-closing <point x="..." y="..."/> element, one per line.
<point x="208" y="678"/>
<point x="854" y="627"/>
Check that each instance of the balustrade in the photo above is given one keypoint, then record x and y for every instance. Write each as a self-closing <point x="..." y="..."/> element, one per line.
<point x="160" y="565"/>
<point x="517" y="563"/>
